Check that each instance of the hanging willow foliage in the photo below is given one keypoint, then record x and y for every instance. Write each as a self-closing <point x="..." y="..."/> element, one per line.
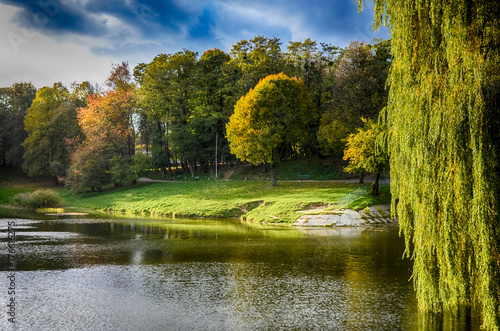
<point x="444" y="142"/>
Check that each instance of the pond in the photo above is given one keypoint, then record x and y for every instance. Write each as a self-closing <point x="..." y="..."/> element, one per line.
<point x="74" y="273"/>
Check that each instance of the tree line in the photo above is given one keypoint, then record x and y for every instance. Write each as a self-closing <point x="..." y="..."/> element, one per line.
<point x="176" y="109"/>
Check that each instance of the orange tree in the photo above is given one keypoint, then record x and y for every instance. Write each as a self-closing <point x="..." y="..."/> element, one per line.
<point x="271" y="120"/>
<point x="107" y="150"/>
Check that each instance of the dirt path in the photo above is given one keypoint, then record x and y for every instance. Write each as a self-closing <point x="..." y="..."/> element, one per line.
<point x="149" y="180"/>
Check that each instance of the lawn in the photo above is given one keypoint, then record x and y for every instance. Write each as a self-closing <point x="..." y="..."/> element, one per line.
<point x="253" y="200"/>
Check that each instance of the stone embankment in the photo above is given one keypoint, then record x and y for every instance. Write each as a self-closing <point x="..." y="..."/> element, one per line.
<point x="374" y="215"/>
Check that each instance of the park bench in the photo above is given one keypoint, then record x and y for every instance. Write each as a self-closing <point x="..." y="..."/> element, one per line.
<point x="196" y="178"/>
<point x="304" y="176"/>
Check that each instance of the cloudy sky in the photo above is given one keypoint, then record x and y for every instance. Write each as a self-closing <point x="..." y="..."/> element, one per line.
<point x="46" y="41"/>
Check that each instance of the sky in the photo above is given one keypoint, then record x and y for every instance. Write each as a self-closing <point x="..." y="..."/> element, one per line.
<point x="48" y="41"/>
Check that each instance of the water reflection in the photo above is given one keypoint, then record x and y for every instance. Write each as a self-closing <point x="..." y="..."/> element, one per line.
<point x="142" y="274"/>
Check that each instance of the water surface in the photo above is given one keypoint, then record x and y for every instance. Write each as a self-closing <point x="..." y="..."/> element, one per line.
<point x="74" y="273"/>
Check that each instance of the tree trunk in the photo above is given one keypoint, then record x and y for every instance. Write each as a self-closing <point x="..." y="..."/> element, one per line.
<point x="169" y="167"/>
<point x="190" y="165"/>
<point x="361" y="177"/>
<point x="273" y="175"/>
<point x="375" y="184"/>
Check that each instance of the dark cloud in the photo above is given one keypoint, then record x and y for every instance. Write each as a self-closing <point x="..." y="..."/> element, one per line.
<point x="138" y="30"/>
<point x="150" y="20"/>
<point x="54" y="17"/>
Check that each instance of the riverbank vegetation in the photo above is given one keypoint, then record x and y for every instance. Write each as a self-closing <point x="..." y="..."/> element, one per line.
<point x="206" y="197"/>
<point x="254" y="200"/>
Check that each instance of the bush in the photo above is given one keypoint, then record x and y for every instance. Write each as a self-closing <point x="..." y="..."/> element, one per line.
<point x="37" y="199"/>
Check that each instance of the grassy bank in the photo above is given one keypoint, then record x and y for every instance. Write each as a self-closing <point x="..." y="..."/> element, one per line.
<point x="384" y="198"/>
<point x="253" y="200"/>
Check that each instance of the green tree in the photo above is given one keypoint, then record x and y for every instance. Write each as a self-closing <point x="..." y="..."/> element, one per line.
<point x="444" y="140"/>
<point x="367" y="151"/>
<point x="359" y="91"/>
<point x="315" y="65"/>
<point x="269" y="120"/>
<point x="251" y="61"/>
<point x="50" y="121"/>
<point x="168" y="95"/>
<point x="14" y="104"/>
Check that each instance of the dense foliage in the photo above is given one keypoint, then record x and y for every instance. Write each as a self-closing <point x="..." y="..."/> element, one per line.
<point x="50" y="121"/>
<point x="106" y="152"/>
<point x="358" y="92"/>
<point x="367" y="151"/>
<point x="272" y="119"/>
<point x="444" y="140"/>
<point x="14" y="104"/>
<point x="176" y="109"/>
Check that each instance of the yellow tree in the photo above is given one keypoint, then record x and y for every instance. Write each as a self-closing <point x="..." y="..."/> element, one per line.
<point x="270" y="119"/>
<point x="366" y="151"/>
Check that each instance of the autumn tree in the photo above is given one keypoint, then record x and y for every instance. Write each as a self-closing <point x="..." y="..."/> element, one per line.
<point x="106" y="152"/>
<point x="366" y="151"/>
<point x="270" y="120"/>
<point x="14" y="104"/>
<point x="358" y="91"/>
<point x="444" y="142"/>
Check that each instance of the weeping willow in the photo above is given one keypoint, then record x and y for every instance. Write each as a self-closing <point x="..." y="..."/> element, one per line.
<point x="444" y="142"/>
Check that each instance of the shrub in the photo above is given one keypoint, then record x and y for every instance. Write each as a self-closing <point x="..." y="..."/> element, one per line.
<point x="37" y="199"/>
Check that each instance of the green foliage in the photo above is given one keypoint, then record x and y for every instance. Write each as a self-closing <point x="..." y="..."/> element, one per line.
<point x="142" y="164"/>
<point x="367" y="151"/>
<point x="208" y="198"/>
<point x="444" y="141"/>
<point x="270" y="119"/>
<point x="358" y="91"/>
<point x="42" y="198"/>
<point x="122" y="169"/>
<point x="364" y="151"/>
<point x="50" y="121"/>
<point x="14" y="104"/>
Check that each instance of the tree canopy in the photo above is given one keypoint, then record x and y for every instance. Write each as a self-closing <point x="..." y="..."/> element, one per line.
<point x="367" y="151"/>
<point x="14" y="104"/>
<point x="50" y="121"/>
<point x="108" y="146"/>
<point x="358" y="91"/>
<point x="269" y="120"/>
<point x="444" y="141"/>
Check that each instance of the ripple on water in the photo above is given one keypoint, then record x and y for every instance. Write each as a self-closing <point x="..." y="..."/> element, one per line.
<point x="193" y="296"/>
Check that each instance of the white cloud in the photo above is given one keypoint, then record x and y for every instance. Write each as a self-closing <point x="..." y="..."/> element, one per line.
<point x="28" y="56"/>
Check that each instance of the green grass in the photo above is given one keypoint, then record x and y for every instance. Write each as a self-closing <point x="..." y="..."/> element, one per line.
<point x="369" y="200"/>
<point x="12" y="184"/>
<point x="253" y="200"/>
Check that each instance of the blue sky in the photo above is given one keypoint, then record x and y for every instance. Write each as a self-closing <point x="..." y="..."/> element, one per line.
<point x="45" y="41"/>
